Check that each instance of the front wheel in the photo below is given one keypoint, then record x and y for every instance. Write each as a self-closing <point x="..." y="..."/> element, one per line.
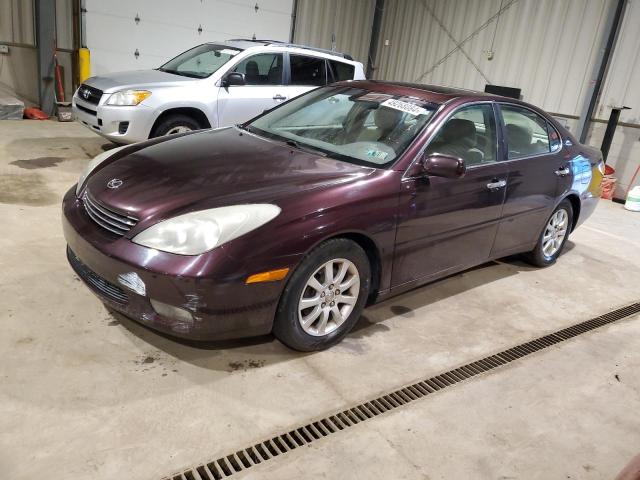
<point x="175" y="124"/>
<point x="553" y="237"/>
<point x="324" y="297"/>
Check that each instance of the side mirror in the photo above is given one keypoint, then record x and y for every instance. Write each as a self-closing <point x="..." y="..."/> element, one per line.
<point x="445" y="166"/>
<point x="233" y="78"/>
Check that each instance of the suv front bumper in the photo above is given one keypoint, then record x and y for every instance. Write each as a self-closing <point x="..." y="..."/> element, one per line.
<point x="109" y="121"/>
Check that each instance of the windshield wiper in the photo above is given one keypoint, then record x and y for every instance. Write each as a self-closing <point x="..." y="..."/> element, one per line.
<point x="306" y="148"/>
<point x="180" y="74"/>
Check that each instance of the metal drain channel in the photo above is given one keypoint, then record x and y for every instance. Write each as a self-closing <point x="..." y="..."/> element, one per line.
<point x="261" y="452"/>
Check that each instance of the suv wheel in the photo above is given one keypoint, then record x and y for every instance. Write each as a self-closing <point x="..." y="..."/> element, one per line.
<point x="175" y="124"/>
<point x="324" y="297"/>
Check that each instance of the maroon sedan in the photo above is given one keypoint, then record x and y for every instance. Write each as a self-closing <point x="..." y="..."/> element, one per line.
<point x="293" y="222"/>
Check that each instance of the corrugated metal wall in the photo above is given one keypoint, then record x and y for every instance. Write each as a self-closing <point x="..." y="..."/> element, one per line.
<point x="622" y="86"/>
<point x="350" y="20"/>
<point x="545" y="47"/>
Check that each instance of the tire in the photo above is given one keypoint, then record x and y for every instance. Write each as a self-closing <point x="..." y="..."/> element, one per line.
<point x="540" y="256"/>
<point x="338" y="317"/>
<point x="175" y="124"/>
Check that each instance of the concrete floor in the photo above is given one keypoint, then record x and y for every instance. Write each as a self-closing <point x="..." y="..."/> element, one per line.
<point x="85" y="393"/>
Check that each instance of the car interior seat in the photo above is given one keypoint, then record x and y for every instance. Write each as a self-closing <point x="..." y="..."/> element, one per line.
<point x="458" y="138"/>
<point x="252" y="73"/>
<point x="274" y="77"/>
<point x="386" y="120"/>
<point x="518" y="139"/>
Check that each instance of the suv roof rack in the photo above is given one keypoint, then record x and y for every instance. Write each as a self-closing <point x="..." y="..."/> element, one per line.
<point x="292" y="45"/>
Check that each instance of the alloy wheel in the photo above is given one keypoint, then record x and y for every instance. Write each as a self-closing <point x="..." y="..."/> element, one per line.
<point x="555" y="232"/>
<point x="329" y="297"/>
<point x="178" y="129"/>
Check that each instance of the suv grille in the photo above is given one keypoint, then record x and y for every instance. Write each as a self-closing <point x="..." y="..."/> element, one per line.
<point x="105" y="217"/>
<point x="95" y="281"/>
<point x="89" y="94"/>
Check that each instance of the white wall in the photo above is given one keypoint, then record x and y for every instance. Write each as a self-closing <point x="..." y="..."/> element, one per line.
<point x="168" y="27"/>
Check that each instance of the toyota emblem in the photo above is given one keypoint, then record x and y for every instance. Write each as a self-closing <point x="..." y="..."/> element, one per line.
<point x="114" y="183"/>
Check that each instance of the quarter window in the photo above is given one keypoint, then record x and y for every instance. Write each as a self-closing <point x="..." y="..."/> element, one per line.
<point x="263" y="69"/>
<point x="527" y="133"/>
<point x="308" y="70"/>
<point x="469" y="134"/>
<point x="341" y="71"/>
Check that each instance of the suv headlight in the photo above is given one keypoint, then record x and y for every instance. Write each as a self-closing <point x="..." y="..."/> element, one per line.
<point x="93" y="164"/>
<point x="128" y="98"/>
<point x="197" y="232"/>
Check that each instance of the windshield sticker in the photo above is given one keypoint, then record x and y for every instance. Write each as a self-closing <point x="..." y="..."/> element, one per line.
<point x="373" y="153"/>
<point x="406" y="107"/>
<point x="228" y="51"/>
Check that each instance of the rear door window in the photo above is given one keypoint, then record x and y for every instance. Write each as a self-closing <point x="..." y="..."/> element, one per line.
<point x="310" y="71"/>
<point x="262" y="69"/>
<point x="527" y="133"/>
<point x="341" y="71"/>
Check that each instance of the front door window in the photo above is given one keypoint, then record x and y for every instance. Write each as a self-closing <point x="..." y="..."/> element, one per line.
<point x="469" y="134"/>
<point x="263" y="69"/>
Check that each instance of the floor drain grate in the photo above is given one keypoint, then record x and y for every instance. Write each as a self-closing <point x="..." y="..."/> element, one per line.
<point x="298" y="437"/>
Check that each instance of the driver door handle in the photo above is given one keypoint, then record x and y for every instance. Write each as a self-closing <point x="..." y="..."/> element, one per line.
<point x="279" y="97"/>
<point x="562" y="172"/>
<point x="497" y="184"/>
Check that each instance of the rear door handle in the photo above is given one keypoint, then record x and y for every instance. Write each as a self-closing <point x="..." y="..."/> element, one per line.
<point x="496" y="184"/>
<point x="279" y="97"/>
<point x="562" y="172"/>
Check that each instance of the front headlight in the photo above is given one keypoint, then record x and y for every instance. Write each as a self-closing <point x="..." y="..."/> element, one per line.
<point x="197" y="232"/>
<point x="93" y="164"/>
<point x="128" y="98"/>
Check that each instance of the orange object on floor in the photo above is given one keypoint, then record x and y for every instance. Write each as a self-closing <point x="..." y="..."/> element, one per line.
<point x="608" y="187"/>
<point x="34" y="113"/>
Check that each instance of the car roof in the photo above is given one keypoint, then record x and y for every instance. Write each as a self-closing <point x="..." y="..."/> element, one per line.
<point x="430" y="93"/>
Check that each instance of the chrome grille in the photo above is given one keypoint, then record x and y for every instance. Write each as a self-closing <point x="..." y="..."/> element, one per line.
<point x="90" y="94"/>
<point x="105" y="217"/>
<point x="95" y="281"/>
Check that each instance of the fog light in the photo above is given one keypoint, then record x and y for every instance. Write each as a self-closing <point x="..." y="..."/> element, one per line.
<point x="169" y="311"/>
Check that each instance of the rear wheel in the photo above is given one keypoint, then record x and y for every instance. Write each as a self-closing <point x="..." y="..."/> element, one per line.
<point x="324" y="297"/>
<point x="553" y="237"/>
<point x="173" y="124"/>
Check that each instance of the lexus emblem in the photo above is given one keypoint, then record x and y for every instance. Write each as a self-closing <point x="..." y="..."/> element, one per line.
<point x="114" y="183"/>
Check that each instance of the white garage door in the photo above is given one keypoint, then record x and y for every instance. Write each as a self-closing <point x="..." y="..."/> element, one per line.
<point x="139" y="34"/>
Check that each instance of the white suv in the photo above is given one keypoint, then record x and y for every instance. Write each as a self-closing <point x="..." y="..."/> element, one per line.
<point x="211" y="85"/>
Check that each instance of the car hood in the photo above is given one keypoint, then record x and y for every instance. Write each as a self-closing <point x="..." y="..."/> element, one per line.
<point x="211" y="169"/>
<point x="136" y="79"/>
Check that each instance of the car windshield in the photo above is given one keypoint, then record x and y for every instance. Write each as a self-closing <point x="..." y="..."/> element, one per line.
<point x="351" y="124"/>
<point x="201" y="61"/>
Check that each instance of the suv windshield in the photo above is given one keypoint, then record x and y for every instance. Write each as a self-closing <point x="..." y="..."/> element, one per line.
<point x="352" y="124"/>
<point x="200" y="61"/>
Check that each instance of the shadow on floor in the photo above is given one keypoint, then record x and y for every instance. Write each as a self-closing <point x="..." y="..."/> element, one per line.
<point x="244" y="354"/>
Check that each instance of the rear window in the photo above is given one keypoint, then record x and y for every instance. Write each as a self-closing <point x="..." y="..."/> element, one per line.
<point x="341" y="71"/>
<point x="308" y="70"/>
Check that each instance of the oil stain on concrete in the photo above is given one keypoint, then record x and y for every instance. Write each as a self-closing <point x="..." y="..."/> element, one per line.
<point x="39" y="162"/>
<point x="26" y="189"/>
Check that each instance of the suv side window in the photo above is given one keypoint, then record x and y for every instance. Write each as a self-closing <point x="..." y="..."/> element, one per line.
<point x="262" y="69"/>
<point x="469" y="134"/>
<point x="341" y="71"/>
<point x="527" y="133"/>
<point x="308" y="70"/>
